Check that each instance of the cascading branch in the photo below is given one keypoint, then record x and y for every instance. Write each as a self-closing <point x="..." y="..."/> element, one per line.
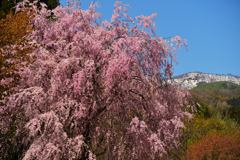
<point x="95" y="90"/>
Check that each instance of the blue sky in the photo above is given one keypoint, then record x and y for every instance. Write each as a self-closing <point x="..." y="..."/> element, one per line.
<point x="211" y="27"/>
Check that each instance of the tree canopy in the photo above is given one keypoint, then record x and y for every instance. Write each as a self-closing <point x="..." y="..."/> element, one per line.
<point x="93" y="91"/>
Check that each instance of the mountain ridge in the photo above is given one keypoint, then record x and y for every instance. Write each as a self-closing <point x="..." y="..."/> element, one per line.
<point x="193" y="79"/>
<point x="208" y="73"/>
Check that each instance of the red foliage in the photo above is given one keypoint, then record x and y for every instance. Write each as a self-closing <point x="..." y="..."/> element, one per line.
<point x="215" y="146"/>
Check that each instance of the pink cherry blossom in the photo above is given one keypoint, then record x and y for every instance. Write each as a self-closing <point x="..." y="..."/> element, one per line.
<point x="95" y="89"/>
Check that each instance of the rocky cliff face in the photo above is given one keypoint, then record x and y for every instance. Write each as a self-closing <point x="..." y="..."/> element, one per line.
<point x="191" y="80"/>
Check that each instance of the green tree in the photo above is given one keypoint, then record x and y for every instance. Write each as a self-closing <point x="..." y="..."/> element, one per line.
<point x="233" y="113"/>
<point x="234" y="102"/>
<point x="207" y="113"/>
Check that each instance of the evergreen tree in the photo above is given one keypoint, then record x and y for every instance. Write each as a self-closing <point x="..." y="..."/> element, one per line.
<point x="234" y="102"/>
<point x="207" y="113"/>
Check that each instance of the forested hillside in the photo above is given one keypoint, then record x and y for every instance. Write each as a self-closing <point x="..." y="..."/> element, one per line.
<point x="218" y="85"/>
<point x="216" y="126"/>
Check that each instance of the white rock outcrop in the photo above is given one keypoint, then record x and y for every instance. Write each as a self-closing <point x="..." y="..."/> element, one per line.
<point x="191" y="80"/>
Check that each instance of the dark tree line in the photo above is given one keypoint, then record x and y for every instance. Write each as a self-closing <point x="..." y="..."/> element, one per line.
<point x="7" y="5"/>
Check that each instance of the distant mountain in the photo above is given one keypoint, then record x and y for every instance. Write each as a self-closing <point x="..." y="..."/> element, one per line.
<point x="193" y="79"/>
<point x="218" y="85"/>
